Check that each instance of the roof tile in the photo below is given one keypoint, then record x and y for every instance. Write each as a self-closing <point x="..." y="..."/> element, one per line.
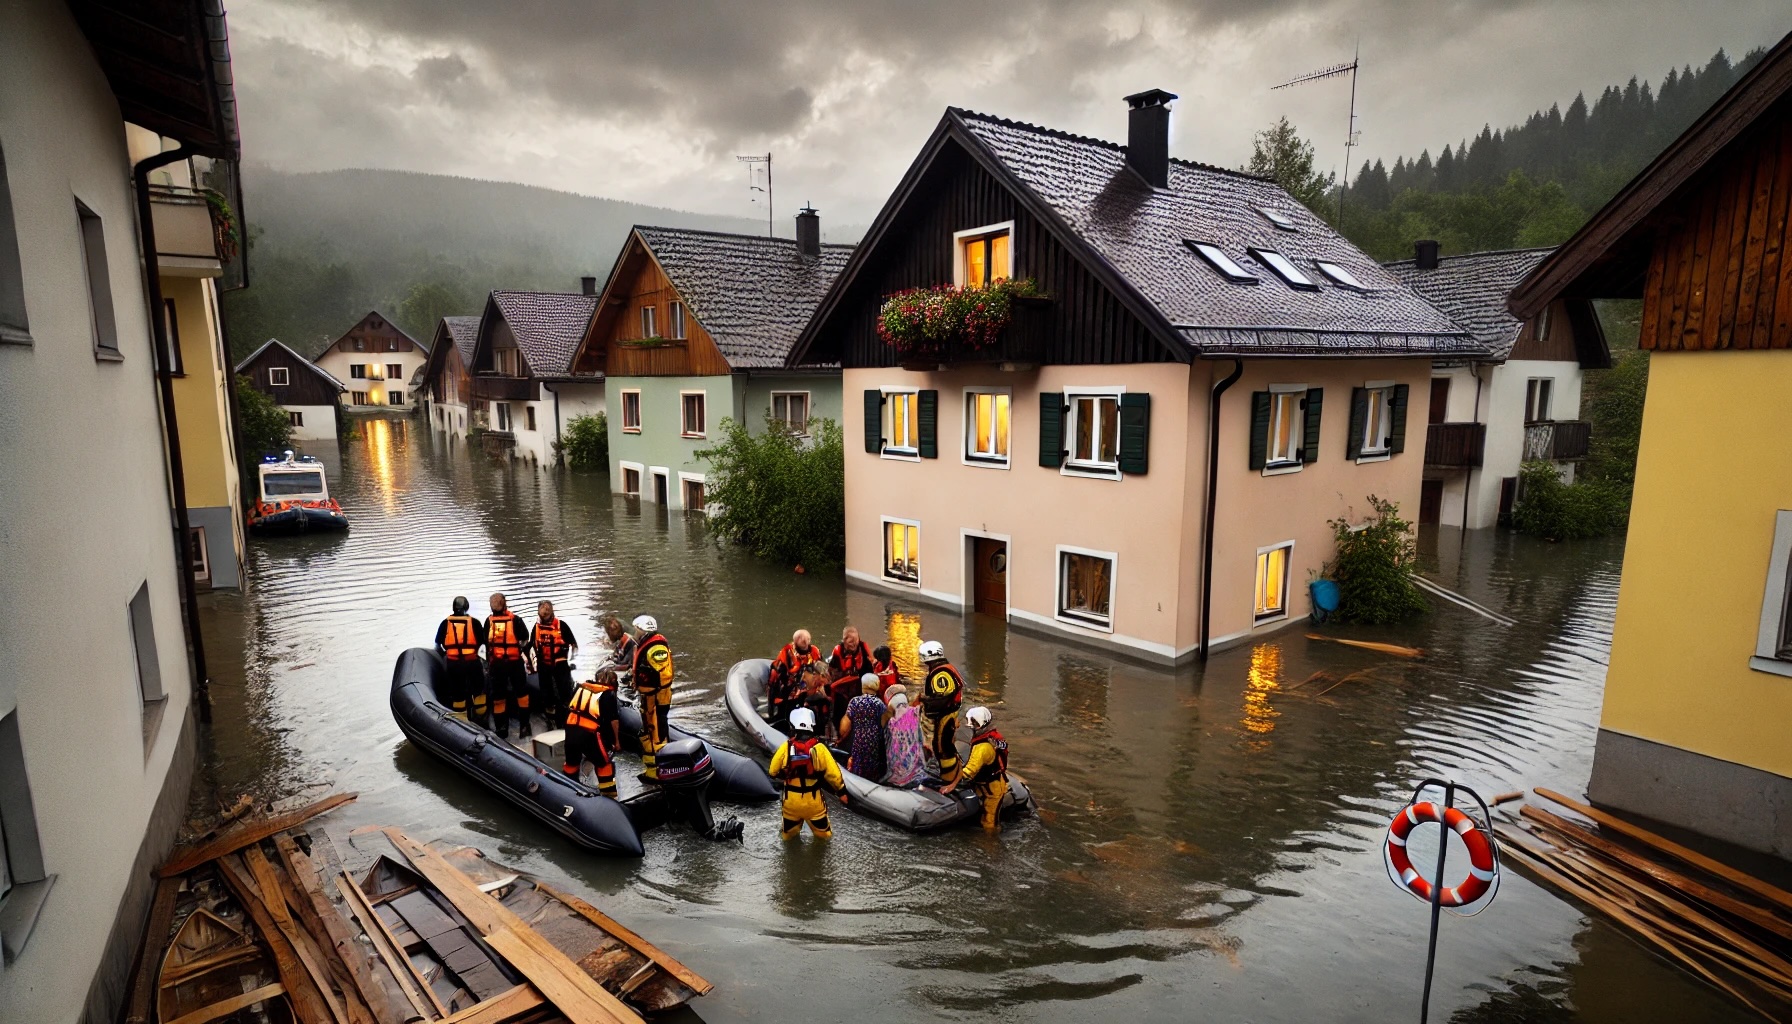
<point x="1473" y="288"/>
<point x="548" y="326"/>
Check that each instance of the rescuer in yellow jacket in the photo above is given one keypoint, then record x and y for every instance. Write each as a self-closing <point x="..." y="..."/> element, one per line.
<point x="804" y="765"/>
<point x="942" y="691"/>
<point x="986" y="768"/>
<point x="652" y="678"/>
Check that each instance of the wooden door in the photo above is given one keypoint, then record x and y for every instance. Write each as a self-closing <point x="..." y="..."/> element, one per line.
<point x="1440" y="399"/>
<point x="989" y="579"/>
<point x="1431" y="502"/>
<point x="659" y="488"/>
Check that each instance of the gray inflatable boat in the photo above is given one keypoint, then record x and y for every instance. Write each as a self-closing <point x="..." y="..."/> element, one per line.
<point x="916" y="809"/>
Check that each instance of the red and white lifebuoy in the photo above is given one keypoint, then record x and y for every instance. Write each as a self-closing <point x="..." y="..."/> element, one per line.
<point x="1480" y="853"/>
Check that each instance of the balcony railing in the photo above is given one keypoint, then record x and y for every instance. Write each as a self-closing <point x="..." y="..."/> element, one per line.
<point x="1557" y="440"/>
<point x="1455" y="445"/>
<point x="490" y="387"/>
<point x="1023" y="341"/>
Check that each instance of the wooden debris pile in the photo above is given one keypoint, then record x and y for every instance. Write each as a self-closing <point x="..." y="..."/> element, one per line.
<point x="1724" y="925"/>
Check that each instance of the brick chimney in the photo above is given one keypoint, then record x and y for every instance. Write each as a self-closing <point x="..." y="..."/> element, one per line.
<point x="587" y="286"/>
<point x="808" y="231"/>
<point x="1424" y="253"/>
<point x="1148" y="136"/>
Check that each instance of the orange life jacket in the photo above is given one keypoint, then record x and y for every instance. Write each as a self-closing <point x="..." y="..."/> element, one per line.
<point x="787" y="669"/>
<point x="648" y="679"/>
<point x="501" y="639"/>
<point x="460" y="643"/>
<point x="582" y="712"/>
<point x="550" y="647"/>
<point x="855" y="664"/>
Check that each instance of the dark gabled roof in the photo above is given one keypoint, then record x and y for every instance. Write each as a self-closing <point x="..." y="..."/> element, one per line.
<point x="752" y="293"/>
<point x="383" y="319"/>
<point x="1609" y="255"/>
<point x="169" y="65"/>
<point x="1472" y="289"/>
<point x="306" y="363"/>
<point x="547" y="326"/>
<point x="464" y="330"/>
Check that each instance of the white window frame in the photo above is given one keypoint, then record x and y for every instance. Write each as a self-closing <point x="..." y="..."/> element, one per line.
<point x="640" y="472"/>
<point x="1273" y="466"/>
<point x="283" y="379"/>
<point x="808" y="409"/>
<point x="1775" y="599"/>
<point x="529" y="417"/>
<point x="684" y="428"/>
<point x="1287" y="578"/>
<point x="1072" y="466"/>
<point x="693" y="478"/>
<point x="295" y="418"/>
<point x="1385" y="450"/>
<point x="650" y="321"/>
<point x="987" y="230"/>
<point x="203" y="570"/>
<point x="969" y="432"/>
<point x="883" y="549"/>
<point x="1081" y="619"/>
<point x="898" y="452"/>
<point x="627" y="427"/>
<point x="675" y="313"/>
<point x="1547" y="387"/>
<point x="656" y="474"/>
<point x="501" y="416"/>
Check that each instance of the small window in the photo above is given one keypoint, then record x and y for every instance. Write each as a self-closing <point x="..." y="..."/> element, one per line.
<point x="902" y="429"/>
<point x="529" y="417"/>
<point x="1773" y="643"/>
<point x="277" y="377"/>
<point x="143" y="641"/>
<point x="295" y="418"/>
<point x="790" y="411"/>
<point x="171" y="324"/>
<point x="23" y="883"/>
<point x="986" y="420"/>
<point x="631" y="412"/>
<point x="14" y="325"/>
<point x="691" y="418"/>
<point x="693" y="495"/>
<point x="1287" y="427"/>
<point x="985" y="256"/>
<point x="357" y="398"/>
<point x="1536" y="399"/>
<point x="1094" y="430"/>
<point x="197" y="558"/>
<point x="1228" y="267"/>
<point x="1272" y="581"/>
<point x="649" y="322"/>
<point x="1378" y="419"/>
<point x="1284" y="269"/>
<point x="360" y="344"/>
<point x="99" y="280"/>
<point x="394" y="371"/>
<point x="1278" y="218"/>
<point x="631" y="482"/>
<point x="675" y="313"/>
<point x="357" y="371"/>
<point x="397" y="398"/>
<point x="1339" y="275"/>
<point x="1085" y="587"/>
<point x="902" y="551"/>
<point x="501" y="413"/>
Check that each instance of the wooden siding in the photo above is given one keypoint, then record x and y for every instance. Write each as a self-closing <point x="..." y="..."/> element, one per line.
<point x="1086" y="322"/>
<point x="375" y="333"/>
<point x="449" y="364"/>
<point x="305" y="387"/>
<point x="1555" y="344"/>
<point x="640" y="282"/>
<point x="1719" y="276"/>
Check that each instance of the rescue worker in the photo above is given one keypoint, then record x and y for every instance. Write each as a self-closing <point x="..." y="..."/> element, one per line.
<point x="553" y="645"/>
<point x="505" y="678"/>
<point x="850" y="661"/>
<point x="622" y="648"/>
<point x="594" y="730"/>
<point x="804" y="765"/>
<point x="784" y="691"/>
<point x="986" y="767"/>
<point x="942" y="691"/>
<point x="459" y="638"/>
<point x="653" y="681"/>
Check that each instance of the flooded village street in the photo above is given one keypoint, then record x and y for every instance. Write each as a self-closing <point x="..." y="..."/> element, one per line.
<point x="1209" y="841"/>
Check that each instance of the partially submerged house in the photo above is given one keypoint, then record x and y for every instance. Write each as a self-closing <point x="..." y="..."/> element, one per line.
<point x="376" y="360"/>
<point x="1698" y="695"/>
<point x="446" y="386"/>
<point x="1207" y="375"/>
<point x="523" y="389"/>
<point x="1485" y="418"/>
<point x="308" y="393"/>
<point x="695" y="326"/>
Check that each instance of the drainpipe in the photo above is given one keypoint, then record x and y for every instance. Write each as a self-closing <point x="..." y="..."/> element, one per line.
<point x="1213" y="482"/>
<point x="177" y="478"/>
<point x="1468" y="482"/>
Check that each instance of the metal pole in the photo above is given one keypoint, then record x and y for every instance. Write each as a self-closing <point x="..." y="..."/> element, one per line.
<point x="770" y="230"/>
<point x="1437" y="899"/>
<point x="1349" y="140"/>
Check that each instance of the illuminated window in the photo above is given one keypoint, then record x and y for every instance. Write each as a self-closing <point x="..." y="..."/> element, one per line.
<point x="986" y="416"/>
<point x="985" y="256"/>
<point x="902" y="432"/>
<point x="1085" y="587"/>
<point x="675" y="313"/>
<point x="277" y="376"/>
<point x="631" y="411"/>
<point x="1272" y="581"/>
<point x="790" y="411"/>
<point x="1378" y="418"/>
<point x="691" y="404"/>
<point x="1094" y="431"/>
<point x="902" y="551"/>
<point x="1287" y="425"/>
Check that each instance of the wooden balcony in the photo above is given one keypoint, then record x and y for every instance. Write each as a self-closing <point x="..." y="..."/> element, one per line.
<point x="1455" y="445"/>
<point x="490" y="387"/>
<point x="1557" y="440"/>
<point x="1022" y="343"/>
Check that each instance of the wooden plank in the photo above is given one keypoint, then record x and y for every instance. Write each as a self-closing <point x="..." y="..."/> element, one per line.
<point x="248" y="832"/>
<point x="310" y="934"/>
<point x="140" y="1007"/>
<point x="403" y="971"/>
<point x="1738" y="199"/>
<point x="1781" y="337"/>
<point x="666" y="961"/>
<point x="1754" y="246"/>
<point x="309" y="948"/>
<point x="559" y="978"/>
<point x="308" y="1003"/>
<point x="347" y="952"/>
<point x="1773" y="253"/>
<point x="231" y="1005"/>
<point x="1698" y="860"/>
<point x="193" y="968"/>
<point x="1692" y="329"/>
<point x="514" y="1003"/>
<point x="263" y="872"/>
<point x="1649" y="331"/>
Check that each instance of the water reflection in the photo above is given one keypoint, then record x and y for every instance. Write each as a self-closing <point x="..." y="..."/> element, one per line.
<point x="1264" y="679"/>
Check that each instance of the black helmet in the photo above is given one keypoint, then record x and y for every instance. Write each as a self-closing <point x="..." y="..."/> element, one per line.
<point x="460" y="606"/>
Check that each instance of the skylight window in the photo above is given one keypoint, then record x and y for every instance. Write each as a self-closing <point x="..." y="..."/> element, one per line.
<point x="1277" y="217"/>
<point x="1284" y="269"/>
<point x="1218" y="260"/>
<point x="1340" y="276"/>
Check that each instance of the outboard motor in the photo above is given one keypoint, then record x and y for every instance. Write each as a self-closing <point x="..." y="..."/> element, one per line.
<point x="682" y="789"/>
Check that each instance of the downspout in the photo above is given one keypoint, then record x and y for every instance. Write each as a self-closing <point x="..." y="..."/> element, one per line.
<point x="559" y="459"/>
<point x="177" y="478"/>
<point x="1468" y="482"/>
<point x="1213" y="482"/>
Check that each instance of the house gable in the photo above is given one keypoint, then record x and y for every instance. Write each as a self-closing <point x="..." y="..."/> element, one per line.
<point x="637" y="281"/>
<point x="306" y="384"/>
<point x="373" y="334"/>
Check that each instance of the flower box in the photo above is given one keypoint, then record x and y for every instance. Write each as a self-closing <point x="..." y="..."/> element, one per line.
<point x="927" y="327"/>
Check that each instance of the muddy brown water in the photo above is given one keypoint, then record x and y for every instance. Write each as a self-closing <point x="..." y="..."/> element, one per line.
<point x="1208" y="845"/>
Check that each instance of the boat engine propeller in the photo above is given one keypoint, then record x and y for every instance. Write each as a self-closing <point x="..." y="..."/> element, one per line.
<point x="682" y="792"/>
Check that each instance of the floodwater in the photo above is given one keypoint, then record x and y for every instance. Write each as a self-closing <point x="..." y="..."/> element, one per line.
<point x="1208" y="845"/>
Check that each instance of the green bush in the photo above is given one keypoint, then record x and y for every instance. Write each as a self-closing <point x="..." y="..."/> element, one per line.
<point x="262" y="426"/>
<point x="1374" y="567"/>
<point x="1549" y="508"/>
<point x="785" y="499"/>
<point x="1614" y="406"/>
<point x="586" y="443"/>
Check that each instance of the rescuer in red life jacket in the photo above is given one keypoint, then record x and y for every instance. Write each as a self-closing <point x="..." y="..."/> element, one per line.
<point x="986" y="769"/>
<point x="849" y="662"/>
<point x="505" y="679"/>
<point x="459" y="638"/>
<point x="784" y="690"/>
<point x="804" y="765"/>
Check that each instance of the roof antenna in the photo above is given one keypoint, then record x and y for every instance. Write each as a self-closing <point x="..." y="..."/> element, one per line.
<point x="767" y="161"/>
<point x="1351" y="137"/>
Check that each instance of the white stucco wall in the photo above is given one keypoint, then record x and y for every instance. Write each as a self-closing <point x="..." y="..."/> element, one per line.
<point x="1502" y="399"/>
<point x="320" y="422"/>
<point x="337" y="363"/>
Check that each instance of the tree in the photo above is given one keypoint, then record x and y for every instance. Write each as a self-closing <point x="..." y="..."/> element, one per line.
<point x="429" y="301"/>
<point x="781" y="497"/>
<point x="262" y="427"/>
<point x="586" y="445"/>
<point x="1278" y="152"/>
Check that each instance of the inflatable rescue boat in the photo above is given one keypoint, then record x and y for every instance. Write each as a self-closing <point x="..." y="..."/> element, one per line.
<point x="294" y="498"/>
<point x="916" y="808"/>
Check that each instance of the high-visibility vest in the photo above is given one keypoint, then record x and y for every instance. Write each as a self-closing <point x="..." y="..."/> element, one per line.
<point x="501" y="639"/>
<point x="459" y="641"/>
<point x="944" y="690"/>
<point x="653" y="665"/>
<point x="583" y="711"/>
<point x="855" y="664"/>
<point x="997" y="767"/>
<point x="550" y="647"/>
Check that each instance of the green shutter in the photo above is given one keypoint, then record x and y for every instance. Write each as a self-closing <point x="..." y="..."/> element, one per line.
<point x="1051" y="429"/>
<point x="1397" y="429"/>
<point x="927" y="417"/>
<point x="1359" y="416"/>
<point x="1135" y="433"/>
<point x="1259" y="429"/>
<point x="1315" y="406"/>
<point x="874" y="421"/>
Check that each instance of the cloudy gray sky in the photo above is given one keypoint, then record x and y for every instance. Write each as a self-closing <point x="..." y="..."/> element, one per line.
<point x="651" y="102"/>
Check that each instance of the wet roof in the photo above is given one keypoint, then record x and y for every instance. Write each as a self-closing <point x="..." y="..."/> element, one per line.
<point x="1473" y="289"/>
<point x="547" y="326"/>
<point x="465" y="332"/>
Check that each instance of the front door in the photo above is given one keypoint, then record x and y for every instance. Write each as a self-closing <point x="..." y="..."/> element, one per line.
<point x="989" y="579"/>
<point x="1431" y="502"/>
<point x="659" y="488"/>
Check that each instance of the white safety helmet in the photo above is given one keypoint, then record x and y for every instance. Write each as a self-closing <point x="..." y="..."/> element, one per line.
<point x="802" y="720"/>
<point x="932" y="650"/>
<point x="978" y="718"/>
<point x="646" y="624"/>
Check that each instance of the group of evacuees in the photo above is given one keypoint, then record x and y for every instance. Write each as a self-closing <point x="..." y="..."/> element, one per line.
<point x="858" y="695"/>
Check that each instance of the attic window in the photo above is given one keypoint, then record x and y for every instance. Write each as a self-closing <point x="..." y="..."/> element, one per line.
<point x="1218" y="260"/>
<point x="1284" y="269"/>
<point x="1278" y="218"/>
<point x="1340" y="276"/>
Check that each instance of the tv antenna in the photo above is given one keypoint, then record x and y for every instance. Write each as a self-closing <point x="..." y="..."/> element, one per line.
<point x="1352" y="135"/>
<point x="767" y="161"/>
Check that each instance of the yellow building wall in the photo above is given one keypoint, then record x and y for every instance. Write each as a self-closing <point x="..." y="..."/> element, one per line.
<point x="199" y="397"/>
<point x="1716" y="464"/>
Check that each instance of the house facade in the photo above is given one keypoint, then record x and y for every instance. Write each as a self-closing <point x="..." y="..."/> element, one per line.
<point x="1698" y="695"/>
<point x="375" y="360"/>
<point x="310" y="396"/>
<point x="447" y="384"/>
<point x="1485" y="419"/>
<point x="96" y="525"/>
<point x="694" y="327"/>
<point x="1206" y="367"/>
<point x="523" y="390"/>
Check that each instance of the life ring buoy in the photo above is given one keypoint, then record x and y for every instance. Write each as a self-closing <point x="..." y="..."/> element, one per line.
<point x="1480" y="853"/>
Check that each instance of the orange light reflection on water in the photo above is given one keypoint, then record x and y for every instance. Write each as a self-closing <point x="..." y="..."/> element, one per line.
<point x="376" y="437"/>
<point x="904" y="637"/>
<point x="1264" y="679"/>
